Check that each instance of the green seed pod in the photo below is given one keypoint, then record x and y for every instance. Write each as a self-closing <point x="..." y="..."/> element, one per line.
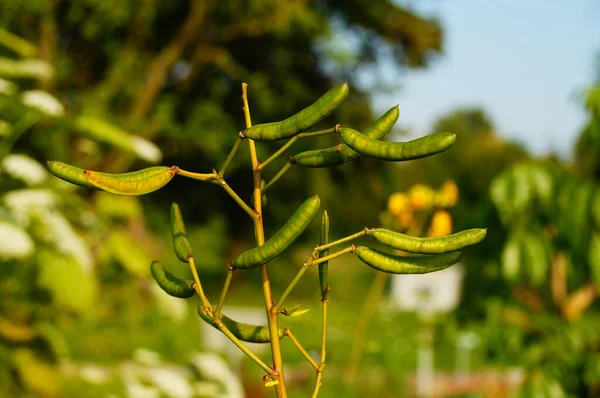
<point x="243" y="331"/>
<point x="181" y="243"/>
<point x="69" y="173"/>
<point x="172" y="285"/>
<point x="323" y="267"/>
<point x="397" y="151"/>
<point x="436" y="245"/>
<point x="340" y="154"/>
<point x="282" y="239"/>
<point x="302" y="120"/>
<point x="406" y="265"/>
<point x="135" y="183"/>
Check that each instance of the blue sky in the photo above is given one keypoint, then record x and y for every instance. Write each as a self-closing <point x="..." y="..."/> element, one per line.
<point x="525" y="62"/>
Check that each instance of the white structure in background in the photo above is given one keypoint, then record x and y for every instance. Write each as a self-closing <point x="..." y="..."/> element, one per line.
<point x="427" y="295"/>
<point x="214" y="340"/>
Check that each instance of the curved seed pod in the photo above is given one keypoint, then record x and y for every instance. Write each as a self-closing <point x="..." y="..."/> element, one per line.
<point x="282" y="239"/>
<point x="69" y="173"/>
<point x="323" y="267"/>
<point x="397" y="151"/>
<point x="135" y="183"/>
<point x="181" y="243"/>
<point x="172" y="285"/>
<point x="437" y="245"/>
<point x="243" y="331"/>
<point x="340" y="154"/>
<point x="406" y="265"/>
<point x="302" y="120"/>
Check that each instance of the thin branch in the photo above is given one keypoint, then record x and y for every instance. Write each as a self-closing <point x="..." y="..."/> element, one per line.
<point x="197" y="284"/>
<point x="294" y="139"/>
<point x="364" y="232"/>
<point x="164" y="61"/>
<point x="305" y="354"/>
<point x="279" y="174"/>
<point x="230" y="156"/>
<point x="207" y="177"/>
<point x="224" y="292"/>
<point x="236" y="198"/>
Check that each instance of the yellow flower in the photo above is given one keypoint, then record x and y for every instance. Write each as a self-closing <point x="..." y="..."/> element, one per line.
<point x="405" y="219"/>
<point x="421" y="196"/>
<point x="398" y="203"/>
<point x="448" y="195"/>
<point x="441" y="224"/>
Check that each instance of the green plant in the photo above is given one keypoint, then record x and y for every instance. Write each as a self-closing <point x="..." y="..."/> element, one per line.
<point x="148" y="180"/>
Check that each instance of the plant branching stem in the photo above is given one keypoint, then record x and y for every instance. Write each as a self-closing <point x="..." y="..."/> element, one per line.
<point x="325" y="301"/>
<point x="230" y="156"/>
<point x="304" y="353"/>
<point x="197" y="283"/>
<point x="309" y="263"/>
<point x="288" y="144"/>
<point x="242" y="347"/>
<point x="343" y="240"/>
<point x="254" y="215"/>
<point x="224" y="292"/>
<point x="278" y="374"/>
<point x="207" y="177"/>
<point x="277" y="176"/>
<point x="293" y="283"/>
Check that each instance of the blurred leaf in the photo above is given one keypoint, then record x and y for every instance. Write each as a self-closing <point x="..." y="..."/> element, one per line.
<point x="118" y="206"/>
<point x="594" y="258"/>
<point x="129" y="253"/>
<point x="40" y="376"/>
<point x="67" y="282"/>
<point x="15" y="332"/>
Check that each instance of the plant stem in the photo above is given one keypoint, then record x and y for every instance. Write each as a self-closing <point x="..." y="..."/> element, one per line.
<point x="208" y="177"/>
<point x="309" y="263"/>
<point x="279" y="174"/>
<point x="293" y="283"/>
<point x="199" y="289"/>
<point x="224" y="292"/>
<point x="325" y="301"/>
<point x="317" y="384"/>
<point x="242" y="347"/>
<point x="305" y="354"/>
<point x="350" y="249"/>
<point x="264" y="270"/>
<point x="230" y="156"/>
<point x="343" y="240"/>
<point x="254" y="215"/>
<point x="291" y="142"/>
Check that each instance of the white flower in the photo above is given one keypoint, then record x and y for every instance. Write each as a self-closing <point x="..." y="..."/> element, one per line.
<point x="67" y="241"/>
<point x="43" y="102"/>
<point x="173" y="307"/>
<point x="146" y="149"/>
<point x="94" y="374"/>
<point x="147" y="357"/>
<point x="14" y="242"/>
<point x="213" y="368"/>
<point x="25" y="68"/>
<point x="170" y="382"/>
<point x="136" y="390"/>
<point x="27" y="200"/>
<point x="7" y="87"/>
<point x="24" y="168"/>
